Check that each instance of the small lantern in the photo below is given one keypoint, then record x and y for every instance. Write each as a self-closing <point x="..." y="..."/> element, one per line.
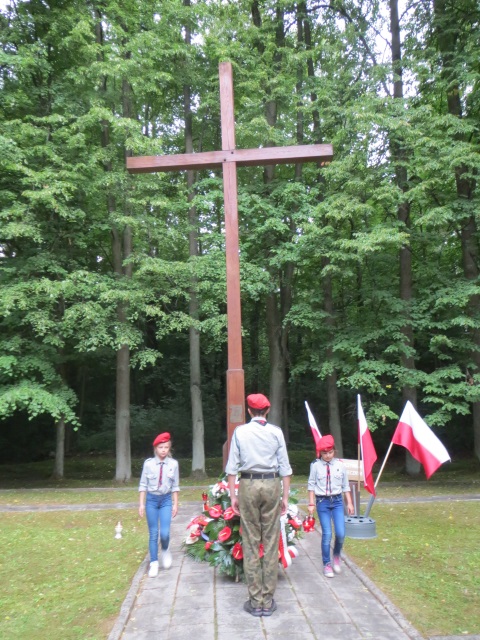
<point x="118" y="530"/>
<point x="205" y="500"/>
<point x="308" y="523"/>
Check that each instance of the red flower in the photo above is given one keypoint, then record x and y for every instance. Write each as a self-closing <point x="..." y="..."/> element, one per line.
<point x="229" y="513"/>
<point x="237" y="551"/>
<point x="261" y="550"/>
<point x="195" y="530"/>
<point x="224" y="534"/>
<point x="215" y="511"/>
<point x="295" y="524"/>
<point x="202" y="520"/>
<point x="208" y="545"/>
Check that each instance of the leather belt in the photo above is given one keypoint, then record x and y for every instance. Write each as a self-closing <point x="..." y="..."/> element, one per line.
<point x="333" y="495"/>
<point x="258" y="476"/>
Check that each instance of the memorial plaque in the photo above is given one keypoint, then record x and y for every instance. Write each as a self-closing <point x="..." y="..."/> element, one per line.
<point x="236" y="414"/>
<point x="353" y="468"/>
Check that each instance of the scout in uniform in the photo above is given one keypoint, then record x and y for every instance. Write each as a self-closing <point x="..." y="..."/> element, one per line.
<point x="327" y="483"/>
<point x="258" y="452"/>
<point x="158" y="491"/>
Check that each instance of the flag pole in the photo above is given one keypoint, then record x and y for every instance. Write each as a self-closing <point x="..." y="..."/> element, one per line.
<point x="357" y="511"/>
<point x="372" y="497"/>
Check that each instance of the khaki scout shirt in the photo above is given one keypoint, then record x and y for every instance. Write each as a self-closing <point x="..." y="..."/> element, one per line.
<point x="258" y="448"/>
<point x="151" y="474"/>
<point x="317" y="480"/>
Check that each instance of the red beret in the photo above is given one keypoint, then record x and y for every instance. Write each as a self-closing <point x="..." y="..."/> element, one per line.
<point x="326" y="443"/>
<point x="258" y="401"/>
<point x="161" y="438"/>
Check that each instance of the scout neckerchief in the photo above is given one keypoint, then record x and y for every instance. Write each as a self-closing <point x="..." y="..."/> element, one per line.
<point x="328" y="486"/>
<point x="160" y="477"/>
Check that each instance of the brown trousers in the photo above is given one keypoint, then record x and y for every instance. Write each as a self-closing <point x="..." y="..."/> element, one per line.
<point x="259" y="503"/>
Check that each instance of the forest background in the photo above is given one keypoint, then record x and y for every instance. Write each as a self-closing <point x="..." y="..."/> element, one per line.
<point x="358" y="277"/>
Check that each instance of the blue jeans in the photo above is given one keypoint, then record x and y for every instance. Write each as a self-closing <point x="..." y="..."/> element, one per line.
<point x="158" y="510"/>
<point x="328" y="509"/>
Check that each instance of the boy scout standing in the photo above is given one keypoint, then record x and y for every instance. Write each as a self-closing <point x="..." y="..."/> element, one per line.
<point x="258" y="452"/>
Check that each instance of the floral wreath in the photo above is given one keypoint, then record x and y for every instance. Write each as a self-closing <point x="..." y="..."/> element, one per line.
<point x="215" y="536"/>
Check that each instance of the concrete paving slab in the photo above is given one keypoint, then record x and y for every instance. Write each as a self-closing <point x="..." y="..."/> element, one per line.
<point x="286" y="624"/>
<point x="341" y="632"/>
<point x="137" y="634"/>
<point x="320" y="613"/>
<point x="202" y="632"/>
<point x="193" y="598"/>
<point x="293" y="636"/>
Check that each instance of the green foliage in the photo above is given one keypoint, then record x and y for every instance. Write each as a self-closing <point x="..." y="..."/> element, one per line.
<point x="97" y="569"/>
<point x="324" y="244"/>
<point x="414" y="544"/>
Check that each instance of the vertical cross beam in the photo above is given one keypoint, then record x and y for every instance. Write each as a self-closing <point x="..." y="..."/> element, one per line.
<point x="229" y="158"/>
<point x="235" y="374"/>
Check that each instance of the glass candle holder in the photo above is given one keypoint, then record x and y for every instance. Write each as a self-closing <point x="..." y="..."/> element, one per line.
<point x="308" y="523"/>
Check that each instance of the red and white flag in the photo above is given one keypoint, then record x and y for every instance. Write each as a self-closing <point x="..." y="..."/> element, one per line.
<point x="369" y="455"/>
<point x="415" y="435"/>
<point x="313" y="426"/>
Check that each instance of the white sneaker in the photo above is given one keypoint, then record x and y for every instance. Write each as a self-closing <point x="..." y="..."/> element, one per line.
<point x="153" y="571"/>
<point x="166" y="559"/>
<point x="337" y="565"/>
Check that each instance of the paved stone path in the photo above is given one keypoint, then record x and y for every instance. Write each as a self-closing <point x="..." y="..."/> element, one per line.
<point x="194" y="600"/>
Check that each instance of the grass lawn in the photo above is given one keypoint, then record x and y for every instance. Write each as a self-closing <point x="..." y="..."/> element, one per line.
<point x="64" y="575"/>
<point x="426" y="559"/>
<point x="37" y="497"/>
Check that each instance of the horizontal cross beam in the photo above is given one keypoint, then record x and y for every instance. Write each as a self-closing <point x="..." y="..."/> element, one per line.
<point x="322" y="153"/>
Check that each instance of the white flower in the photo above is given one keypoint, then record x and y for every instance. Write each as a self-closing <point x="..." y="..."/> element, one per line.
<point x="292" y="510"/>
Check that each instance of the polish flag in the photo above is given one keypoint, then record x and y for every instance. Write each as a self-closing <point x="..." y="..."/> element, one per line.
<point x="415" y="435"/>
<point x="369" y="455"/>
<point x="313" y="426"/>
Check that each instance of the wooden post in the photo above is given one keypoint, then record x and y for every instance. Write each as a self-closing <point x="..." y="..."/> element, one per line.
<point x="229" y="158"/>
<point x="235" y="374"/>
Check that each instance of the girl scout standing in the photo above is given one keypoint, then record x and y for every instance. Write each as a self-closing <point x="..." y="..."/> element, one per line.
<point x="327" y="482"/>
<point x="159" y="484"/>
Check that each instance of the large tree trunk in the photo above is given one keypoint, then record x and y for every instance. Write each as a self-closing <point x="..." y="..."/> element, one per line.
<point x="58" y="469"/>
<point x="448" y="36"/>
<point x="60" y="426"/>
<point x="254" y="342"/>
<point x="121" y="249"/>
<point x="278" y="304"/>
<point x="334" y="422"/>
<point x="409" y="392"/>
<point x="278" y="350"/>
<point x="123" y="463"/>
<point x="332" y="389"/>
<point x="121" y="246"/>
<point x="198" y="427"/>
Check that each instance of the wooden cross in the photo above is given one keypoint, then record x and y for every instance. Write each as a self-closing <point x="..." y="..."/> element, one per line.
<point x="229" y="158"/>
